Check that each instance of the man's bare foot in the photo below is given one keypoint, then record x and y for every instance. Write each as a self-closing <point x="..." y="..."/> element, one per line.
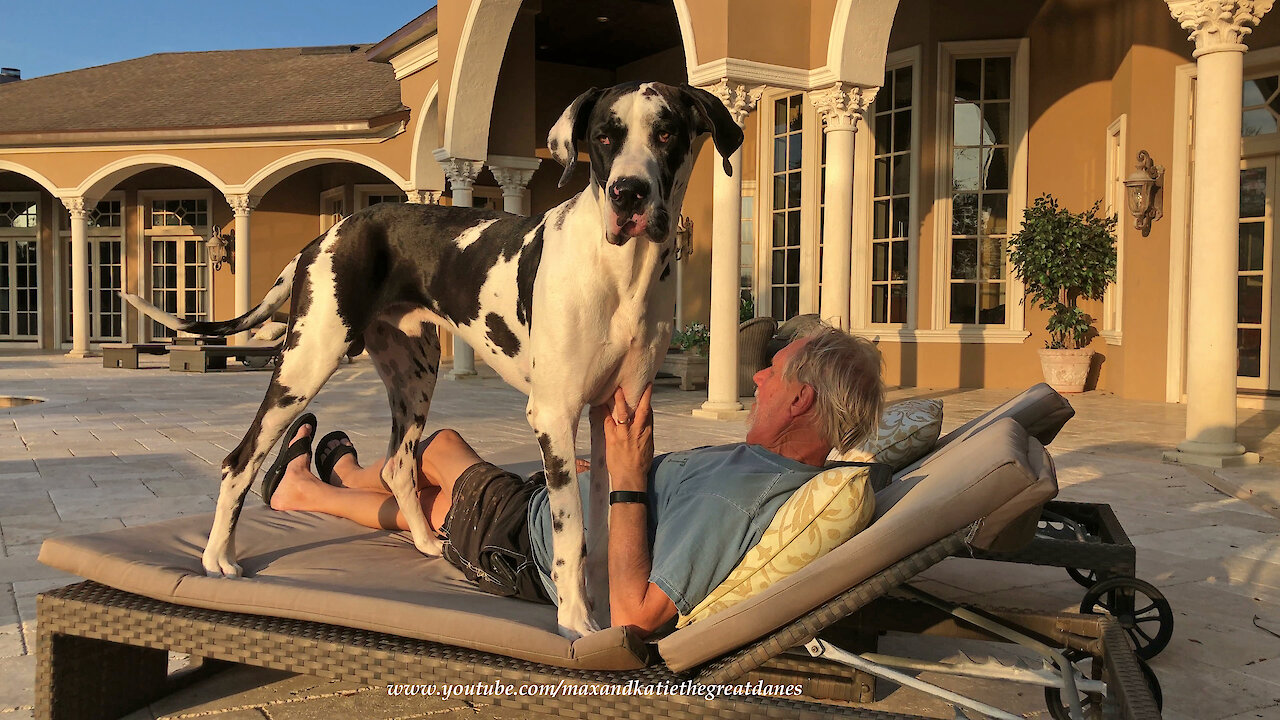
<point x="346" y="467"/>
<point x="298" y="484"/>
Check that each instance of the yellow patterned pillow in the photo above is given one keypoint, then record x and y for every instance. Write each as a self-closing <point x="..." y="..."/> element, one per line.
<point x="832" y="507"/>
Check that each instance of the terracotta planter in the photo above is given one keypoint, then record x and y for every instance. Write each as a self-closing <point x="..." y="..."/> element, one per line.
<point x="1066" y="370"/>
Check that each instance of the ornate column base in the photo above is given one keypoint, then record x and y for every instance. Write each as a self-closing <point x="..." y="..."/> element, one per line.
<point x="721" y="411"/>
<point x="81" y="354"/>
<point x="463" y="373"/>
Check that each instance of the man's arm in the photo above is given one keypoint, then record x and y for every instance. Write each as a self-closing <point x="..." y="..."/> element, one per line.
<point x="633" y="600"/>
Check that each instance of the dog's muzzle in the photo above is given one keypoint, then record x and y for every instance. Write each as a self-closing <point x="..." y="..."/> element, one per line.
<point x="629" y="203"/>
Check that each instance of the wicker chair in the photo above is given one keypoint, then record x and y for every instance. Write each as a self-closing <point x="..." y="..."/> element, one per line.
<point x="753" y="338"/>
<point x="788" y="331"/>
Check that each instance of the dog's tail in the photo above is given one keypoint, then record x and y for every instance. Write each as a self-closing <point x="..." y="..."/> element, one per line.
<point x="275" y="297"/>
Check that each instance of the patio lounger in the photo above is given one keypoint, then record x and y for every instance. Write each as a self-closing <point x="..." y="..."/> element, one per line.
<point x="325" y="596"/>
<point x="125" y="355"/>
<point x="205" y="358"/>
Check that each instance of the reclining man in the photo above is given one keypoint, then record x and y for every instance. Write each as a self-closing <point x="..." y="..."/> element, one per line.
<point x="700" y="512"/>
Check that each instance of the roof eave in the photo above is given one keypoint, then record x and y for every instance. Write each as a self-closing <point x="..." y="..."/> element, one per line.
<point x="382" y="126"/>
<point x="421" y="27"/>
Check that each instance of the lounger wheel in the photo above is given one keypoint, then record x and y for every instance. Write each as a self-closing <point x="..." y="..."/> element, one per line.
<point x="1140" y="609"/>
<point x="1090" y="704"/>
<point x="1085" y="578"/>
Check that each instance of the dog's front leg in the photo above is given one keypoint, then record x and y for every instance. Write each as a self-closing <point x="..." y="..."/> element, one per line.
<point x="554" y="428"/>
<point x="598" y="519"/>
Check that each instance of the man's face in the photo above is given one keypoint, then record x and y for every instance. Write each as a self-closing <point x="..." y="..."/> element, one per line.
<point x="771" y="414"/>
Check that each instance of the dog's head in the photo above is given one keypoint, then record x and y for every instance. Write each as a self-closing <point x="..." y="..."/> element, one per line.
<point x="642" y="139"/>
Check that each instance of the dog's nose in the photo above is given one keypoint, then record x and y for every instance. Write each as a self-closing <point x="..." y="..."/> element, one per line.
<point x="627" y="193"/>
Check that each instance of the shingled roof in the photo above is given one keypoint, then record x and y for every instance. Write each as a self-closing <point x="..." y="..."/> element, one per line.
<point x="220" y="89"/>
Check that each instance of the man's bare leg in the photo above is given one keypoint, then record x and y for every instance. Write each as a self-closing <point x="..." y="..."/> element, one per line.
<point x="440" y="464"/>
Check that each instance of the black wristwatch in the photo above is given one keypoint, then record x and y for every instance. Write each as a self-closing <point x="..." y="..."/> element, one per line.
<point x="628" y="496"/>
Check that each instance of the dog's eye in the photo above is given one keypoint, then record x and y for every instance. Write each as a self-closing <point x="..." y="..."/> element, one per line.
<point x="603" y="139"/>
<point x="664" y="137"/>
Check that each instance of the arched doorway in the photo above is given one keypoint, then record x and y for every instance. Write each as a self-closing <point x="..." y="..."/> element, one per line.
<point x="25" y="198"/>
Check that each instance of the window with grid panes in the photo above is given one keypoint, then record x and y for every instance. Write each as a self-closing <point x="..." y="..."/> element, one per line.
<point x="179" y="277"/>
<point x="891" y="198"/>
<point x="371" y="200"/>
<point x="784" y="259"/>
<point x="747" y="247"/>
<point x="981" y="88"/>
<point x="19" y="269"/>
<point x="191" y="212"/>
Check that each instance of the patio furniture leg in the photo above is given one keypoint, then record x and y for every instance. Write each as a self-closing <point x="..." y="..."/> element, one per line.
<point x="81" y="678"/>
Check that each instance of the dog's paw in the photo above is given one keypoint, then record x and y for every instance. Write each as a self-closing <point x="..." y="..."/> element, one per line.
<point x="228" y="570"/>
<point x="575" y="627"/>
<point x="221" y="567"/>
<point x="430" y="546"/>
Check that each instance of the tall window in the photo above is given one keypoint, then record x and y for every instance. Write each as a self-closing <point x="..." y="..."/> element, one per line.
<point x="891" y="193"/>
<point x="176" y="229"/>
<point x="784" y="273"/>
<point x="19" y="267"/>
<point x="980" y="175"/>
<point x="747" y="256"/>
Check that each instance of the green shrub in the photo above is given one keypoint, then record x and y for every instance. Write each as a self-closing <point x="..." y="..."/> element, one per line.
<point x="1062" y="257"/>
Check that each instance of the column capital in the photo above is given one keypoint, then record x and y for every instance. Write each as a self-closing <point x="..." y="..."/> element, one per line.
<point x="423" y="197"/>
<point x="78" y="207"/>
<point x="460" y="171"/>
<point x="737" y="97"/>
<point x="840" y="105"/>
<point x="243" y="204"/>
<point x="1218" y="25"/>
<point x="512" y="180"/>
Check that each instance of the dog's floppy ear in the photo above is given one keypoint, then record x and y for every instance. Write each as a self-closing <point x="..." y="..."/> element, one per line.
<point x="714" y="118"/>
<point x="563" y="139"/>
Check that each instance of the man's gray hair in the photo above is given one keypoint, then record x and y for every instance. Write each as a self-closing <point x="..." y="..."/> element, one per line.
<point x="844" y="372"/>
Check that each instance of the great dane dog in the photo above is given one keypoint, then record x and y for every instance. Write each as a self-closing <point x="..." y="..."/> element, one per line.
<point x="565" y="306"/>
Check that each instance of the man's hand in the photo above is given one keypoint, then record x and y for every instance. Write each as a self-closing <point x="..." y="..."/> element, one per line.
<point x="628" y="441"/>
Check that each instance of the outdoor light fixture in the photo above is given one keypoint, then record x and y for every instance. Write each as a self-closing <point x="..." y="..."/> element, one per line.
<point x="684" y="238"/>
<point x="1145" y="191"/>
<point x="221" y="248"/>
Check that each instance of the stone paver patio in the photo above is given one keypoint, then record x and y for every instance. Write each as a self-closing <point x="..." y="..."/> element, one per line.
<point x="112" y="448"/>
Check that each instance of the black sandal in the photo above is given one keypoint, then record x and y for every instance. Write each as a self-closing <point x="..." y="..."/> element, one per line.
<point x="275" y="474"/>
<point x="328" y="455"/>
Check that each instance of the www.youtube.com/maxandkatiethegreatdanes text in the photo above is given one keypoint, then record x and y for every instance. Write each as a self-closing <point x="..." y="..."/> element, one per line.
<point x="562" y="689"/>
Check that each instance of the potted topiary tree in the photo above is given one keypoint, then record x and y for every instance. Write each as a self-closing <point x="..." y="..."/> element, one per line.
<point x="1063" y="257"/>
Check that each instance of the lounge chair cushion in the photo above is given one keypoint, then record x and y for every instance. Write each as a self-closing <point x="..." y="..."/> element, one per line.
<point x="1040" y="410"/>
<point x="908" y="431"/>
<point x="270" y="331"/>
<point x="315" y="567"/>
<point x="996" y="466"/>
<point x="828" y="510"/>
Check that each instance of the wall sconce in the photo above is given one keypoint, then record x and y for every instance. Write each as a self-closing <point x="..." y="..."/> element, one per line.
<point x="1145" y="192"/>
<point x="221" y="248"/>
<point x="684" y="238"/>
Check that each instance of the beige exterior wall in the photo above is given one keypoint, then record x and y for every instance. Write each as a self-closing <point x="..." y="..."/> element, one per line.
<point x="1090" y="63"/>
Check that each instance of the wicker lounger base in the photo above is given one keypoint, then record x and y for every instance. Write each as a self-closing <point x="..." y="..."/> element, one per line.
<point x="102" y="654"/>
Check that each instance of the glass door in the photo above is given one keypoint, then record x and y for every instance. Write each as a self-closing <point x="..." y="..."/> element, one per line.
<point x="1253" y="283"/>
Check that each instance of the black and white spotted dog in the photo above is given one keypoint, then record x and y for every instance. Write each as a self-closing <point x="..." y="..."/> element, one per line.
<point x="565" y="306"/>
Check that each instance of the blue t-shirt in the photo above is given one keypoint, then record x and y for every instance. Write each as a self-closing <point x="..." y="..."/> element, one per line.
<point x="707" y="508"/>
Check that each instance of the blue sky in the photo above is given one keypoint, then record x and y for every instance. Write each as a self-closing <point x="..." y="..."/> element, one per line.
<point x="42" y="38"/>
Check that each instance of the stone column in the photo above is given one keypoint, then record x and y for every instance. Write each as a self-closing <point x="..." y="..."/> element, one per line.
<point x="1218" y="28"/>
<point x="839" y="107"/>
<point x="726" y="241"/>
<point x="243" y="206"/>
<point x="424" y="197"/>
<point x="462" y="177"/>
<point x="79" y="209"/>
<point x="513" y="175"/>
